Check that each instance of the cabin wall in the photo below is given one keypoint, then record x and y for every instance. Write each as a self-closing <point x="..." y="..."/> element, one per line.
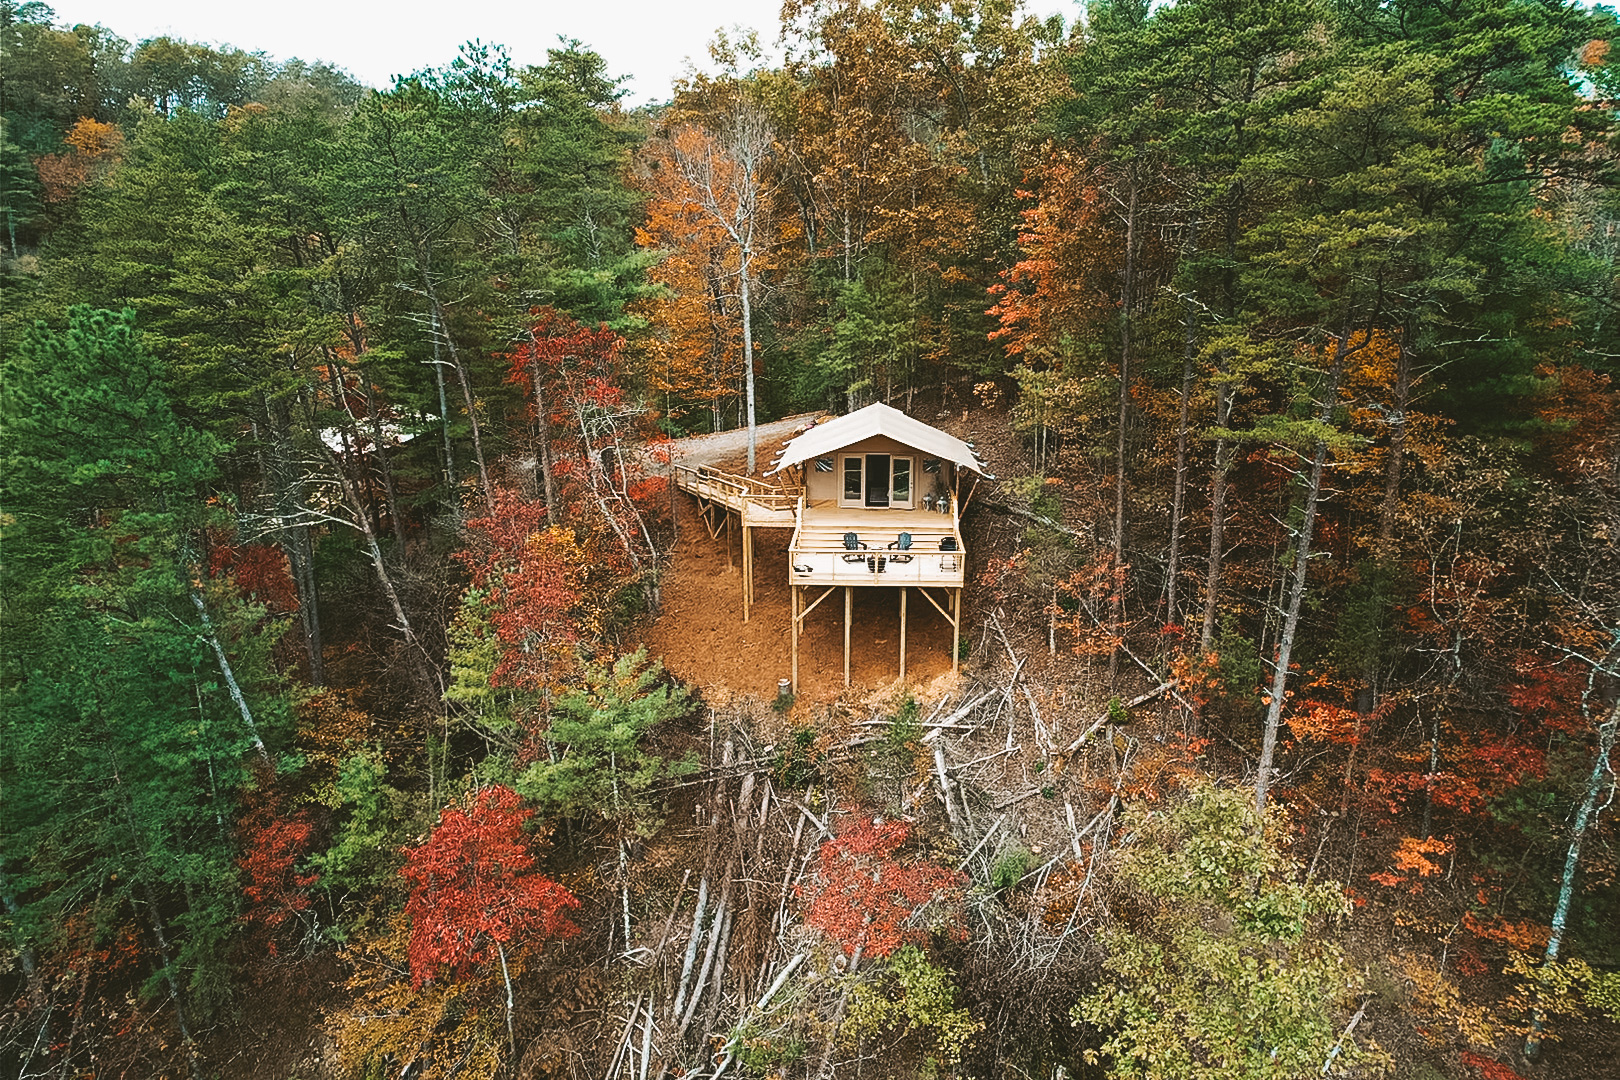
<point x="821" y="488"/>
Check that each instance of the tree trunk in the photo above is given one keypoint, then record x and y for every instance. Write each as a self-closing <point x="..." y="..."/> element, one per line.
<point x="506" y="976"/>
<point x="595" y="480"/>
<point x="1178" y="498"/>
<point x="466" y="392"/>
<point x="230" y="676"/>
<point x="1397" y="446"/>
<point x="174" y="987"/>
<point x="295" y="540"/>
<point x="1296" y="593"/>
<point x="748" y="351"/>
<point x="384" y="467"/>
<point x="1128" y="298"/>
<point x="38" y="993"/>
<point x="838" y="1013"/>
<point x="444" y="415"/>
<point x="542" y="452"/>
<point x="1225" y="452"/>
<point x="359" y="520"/>
<point x="1584" y="818"/>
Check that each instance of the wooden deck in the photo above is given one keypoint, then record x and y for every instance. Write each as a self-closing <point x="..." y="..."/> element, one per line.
<point x="818" y="554"/>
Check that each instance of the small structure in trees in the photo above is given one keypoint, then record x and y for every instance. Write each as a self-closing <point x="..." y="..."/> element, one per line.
<point x="874" y="499"/>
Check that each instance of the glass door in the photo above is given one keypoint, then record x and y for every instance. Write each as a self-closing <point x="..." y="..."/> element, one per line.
<point x="853" y="483"/>
<point x="900" y="495"/>
<point x="877" y="479"/>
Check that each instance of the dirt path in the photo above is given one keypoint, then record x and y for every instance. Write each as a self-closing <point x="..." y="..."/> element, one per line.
<point x="724" y="446"/>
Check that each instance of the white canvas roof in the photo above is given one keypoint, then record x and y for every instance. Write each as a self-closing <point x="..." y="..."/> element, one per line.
<point x="877" y="419"/>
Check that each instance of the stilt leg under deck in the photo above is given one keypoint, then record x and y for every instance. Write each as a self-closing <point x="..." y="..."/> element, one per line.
<point x="849" y="614"/>
<point x="728" y="538"/>
<point x="956" y="628"/>
<point x="902" y="633"/>
<point x="748" y="569"/>
<point x="794" y="608"/>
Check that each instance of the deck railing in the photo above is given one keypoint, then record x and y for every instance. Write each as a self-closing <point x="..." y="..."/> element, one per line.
<point x="733" y="489"/>
<point x="817" y="556"/>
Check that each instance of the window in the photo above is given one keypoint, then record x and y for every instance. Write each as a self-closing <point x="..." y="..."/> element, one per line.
<point x="852" y="480"/>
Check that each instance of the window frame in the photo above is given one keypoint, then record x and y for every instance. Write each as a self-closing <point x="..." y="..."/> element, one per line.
<point x="859" y="501"/>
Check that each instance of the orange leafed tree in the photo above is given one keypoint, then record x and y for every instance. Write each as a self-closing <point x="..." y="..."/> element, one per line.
<point x="694" y="357"/>
<point x="93" y="148"/>
<point x="1063" y="284"/>
<point x="714" y="184"/>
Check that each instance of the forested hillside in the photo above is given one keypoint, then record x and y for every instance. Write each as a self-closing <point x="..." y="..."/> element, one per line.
<point x="335" y="514"/>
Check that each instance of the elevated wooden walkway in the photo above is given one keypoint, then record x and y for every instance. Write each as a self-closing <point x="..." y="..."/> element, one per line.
<point x="758" y="503"/>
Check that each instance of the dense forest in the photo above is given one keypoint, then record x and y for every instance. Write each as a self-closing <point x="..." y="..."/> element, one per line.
<point x="335" y="510"/>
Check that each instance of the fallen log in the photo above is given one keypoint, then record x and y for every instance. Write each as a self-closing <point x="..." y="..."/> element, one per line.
<point x="1140" y="699"/>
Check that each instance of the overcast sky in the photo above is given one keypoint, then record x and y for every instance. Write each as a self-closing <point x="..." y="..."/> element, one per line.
<point x="649" y="40"/>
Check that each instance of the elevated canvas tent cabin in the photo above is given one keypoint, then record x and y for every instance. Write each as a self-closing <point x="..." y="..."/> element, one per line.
<point x="874" y="500"/>
<point x="881" y="507"/>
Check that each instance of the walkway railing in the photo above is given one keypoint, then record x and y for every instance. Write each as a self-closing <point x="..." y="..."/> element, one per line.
<point x="734" y="490"/>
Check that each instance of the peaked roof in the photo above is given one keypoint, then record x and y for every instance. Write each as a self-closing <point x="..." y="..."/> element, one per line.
<point x="877" y="419"/>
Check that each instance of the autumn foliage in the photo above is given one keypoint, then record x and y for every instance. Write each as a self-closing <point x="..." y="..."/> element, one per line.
<point x="1062" y="284"/>
<point x="474" y="889"/>
<point x="92" y="149"/>
<point x="533" y="577"/>
<point x="261" y="573"/>
<point x="694" y="360"/>
<point x="866" y="899"/>
<point x="275" y="839"/>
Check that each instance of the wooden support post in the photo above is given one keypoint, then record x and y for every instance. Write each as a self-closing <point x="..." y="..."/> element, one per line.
<point x="728" y="538"/>
<point x="849" y="614"/>
<point x="794" y="608"/>
<point x="902" y="633"/>
<point x="747" y="568"/>
<point x="956" y="629"/>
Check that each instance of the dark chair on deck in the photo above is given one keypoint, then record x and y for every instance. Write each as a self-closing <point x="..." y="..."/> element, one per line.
<point x="852" y="542"/>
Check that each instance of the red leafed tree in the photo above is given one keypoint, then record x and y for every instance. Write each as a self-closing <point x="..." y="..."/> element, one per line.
<point x="870" y="902"/>
<point x="261" y="572"/>
<point x="556" y="353"/>
<point x="584" y="419"/>
<point x="474" y="889"/>
<point x="273" y="841"/>
<point x="536" y="581"/>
